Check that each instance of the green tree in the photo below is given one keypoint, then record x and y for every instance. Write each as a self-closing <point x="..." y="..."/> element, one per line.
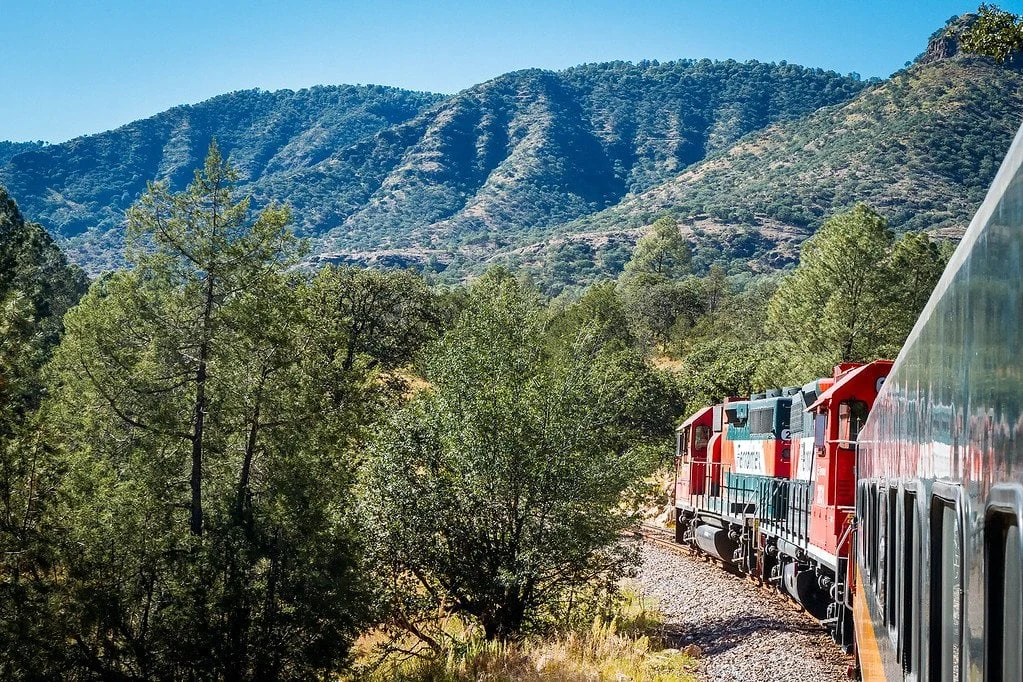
<point x="210" y="407"/>
<point x="496" y="491"/>
<point x="37" y="286"/>
<point x="656" y="287"/>
<point x="996" y="33"/>
<point x="830" y="309"/>
<point x="662" y="255"/>
<point x="854" y="297"/>
<point x="915" y="263"/>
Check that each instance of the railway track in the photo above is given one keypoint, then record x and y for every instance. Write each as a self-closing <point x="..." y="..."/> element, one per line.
<point x="743" y="630"/>
<point x="665" y="539"/>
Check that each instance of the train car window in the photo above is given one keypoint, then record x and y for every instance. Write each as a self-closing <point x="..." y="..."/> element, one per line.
<point x="946" y="597"/>
<point x="701" y="437"/>
<point x="851" y="415"/>
<point x="1004" y="607"/>
<point x="872" y="541"/>
<point x="908" y="579"/>
<point x="861" y="517"/>
<point x="891" y="541"/>
<point x="864" y="541"/>
<point x="882" y="545"/>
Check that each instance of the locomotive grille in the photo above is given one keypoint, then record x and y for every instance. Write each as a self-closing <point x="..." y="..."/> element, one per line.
<point x="796" y="417"/>
<point x="761" y="420"/>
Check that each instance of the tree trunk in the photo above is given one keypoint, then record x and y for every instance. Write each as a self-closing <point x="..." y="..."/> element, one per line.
<point x="243" y="494"/>
<point x="199" y="415"/>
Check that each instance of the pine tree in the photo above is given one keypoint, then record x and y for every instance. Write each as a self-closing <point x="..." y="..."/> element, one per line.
<point x="211" y="446"/>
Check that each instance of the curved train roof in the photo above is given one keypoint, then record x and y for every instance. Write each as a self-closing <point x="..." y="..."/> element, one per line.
<point x="699" y="414"/>
<point x="850" y="382"/>
<point x="956" y="388"/>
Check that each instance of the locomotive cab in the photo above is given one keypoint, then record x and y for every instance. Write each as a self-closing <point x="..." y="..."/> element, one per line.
<point x="692" y="442"/>
<point x="842" y="409"/>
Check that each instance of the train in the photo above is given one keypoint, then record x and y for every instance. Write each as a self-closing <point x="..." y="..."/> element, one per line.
<point x="887" y="498"/>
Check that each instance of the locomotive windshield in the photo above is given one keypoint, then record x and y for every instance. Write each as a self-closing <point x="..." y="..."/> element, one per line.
<point x="851" y="416"/>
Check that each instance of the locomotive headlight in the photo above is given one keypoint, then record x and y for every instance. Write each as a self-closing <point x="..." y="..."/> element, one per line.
<point x="786" y="454"/>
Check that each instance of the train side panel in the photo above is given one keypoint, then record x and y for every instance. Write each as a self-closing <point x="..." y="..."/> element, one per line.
<point x="940" y="469"/>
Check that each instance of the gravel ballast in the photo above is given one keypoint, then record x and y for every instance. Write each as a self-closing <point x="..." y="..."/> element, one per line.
<point x="743" y="632"/>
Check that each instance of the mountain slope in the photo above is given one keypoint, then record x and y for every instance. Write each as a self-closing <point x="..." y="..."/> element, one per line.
<point x="9" y="150"/>
<point x="80" y="189"/>
<point x="505" y="161"/>
<point x="377" y="168"/>
<point x="921" y="148"/>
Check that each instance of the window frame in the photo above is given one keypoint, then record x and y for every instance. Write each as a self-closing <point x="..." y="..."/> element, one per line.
<point x="847" y="435"/>
<point x="944" y="496"/>
<point x="909" y="616"/>
<point x="1006" y="501"/>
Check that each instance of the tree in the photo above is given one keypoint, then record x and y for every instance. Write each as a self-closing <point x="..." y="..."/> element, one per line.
<point x="496" y="491"/>
<point x="37" y="286"/>
<point x="655" y="285"/>
<point x="853" y="297"/>
<point x="916" y="263"/>
<point x="995" y="33"/>
<point x="210" y="405"/>
<point x="663" y="255"/>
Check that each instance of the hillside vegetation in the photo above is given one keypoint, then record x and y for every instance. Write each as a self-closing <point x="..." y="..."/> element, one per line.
<point x="372" y="169"/>
<point x="921" y="148"/>
<point x="81" y="188"/>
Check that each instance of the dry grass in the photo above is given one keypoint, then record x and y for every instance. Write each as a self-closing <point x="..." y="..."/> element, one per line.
<point x="625" y="648"/>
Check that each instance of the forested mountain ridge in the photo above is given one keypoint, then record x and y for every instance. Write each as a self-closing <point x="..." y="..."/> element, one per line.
<point x="921" y="147"/>
<point x="8" y="150"/>
<point x="374" y="168"/>
<point x="515" y="156"/>
<point x="80" y="189"/>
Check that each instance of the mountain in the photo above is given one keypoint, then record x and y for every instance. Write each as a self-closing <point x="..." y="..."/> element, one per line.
<point x="9" y="150"/>
<point x="562" y="170"/>
<point x="80" y="189"/>
<point x="372" y="170"/>
<point x="921" y="148"/>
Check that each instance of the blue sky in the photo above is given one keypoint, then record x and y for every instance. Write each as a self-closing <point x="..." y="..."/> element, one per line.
<point x="74" y="67"/>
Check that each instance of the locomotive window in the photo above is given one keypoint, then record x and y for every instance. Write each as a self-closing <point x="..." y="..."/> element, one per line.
<point x="682" y="443"/>
<point x="946" y="598"/>
<point x="851" y="415"/>
<point x="908" y="579"/>
<point x="1004" y="626"/>
<point x="701" y="437"/>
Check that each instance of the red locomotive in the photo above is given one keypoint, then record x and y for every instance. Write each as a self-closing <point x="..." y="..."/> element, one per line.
<point x="767" y="485"/>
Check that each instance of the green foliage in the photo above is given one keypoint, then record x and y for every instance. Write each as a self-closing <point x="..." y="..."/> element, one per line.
<point x="380" y="171"/>
<point x="8" y="150"/>
<point x="660" y="256"/>
<point x="36" y="287"/>
<point x="209" y="407"/>
<point x="924" y="144"/>
<point x="853" y="298"/>
<point x="996" y="33"/>
<point x="657" y="296"/>
<point x="495" y="493"/>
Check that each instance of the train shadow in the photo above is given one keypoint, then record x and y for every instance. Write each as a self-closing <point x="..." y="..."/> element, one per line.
<point x="717" y="636"/>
